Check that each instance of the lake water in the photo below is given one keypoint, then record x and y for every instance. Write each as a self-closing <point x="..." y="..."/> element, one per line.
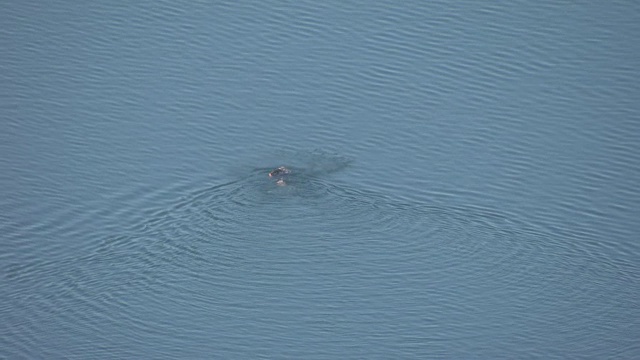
<point x="464" y="180"/>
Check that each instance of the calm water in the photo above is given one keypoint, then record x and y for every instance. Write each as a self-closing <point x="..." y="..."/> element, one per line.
<point x="464" y="180"/>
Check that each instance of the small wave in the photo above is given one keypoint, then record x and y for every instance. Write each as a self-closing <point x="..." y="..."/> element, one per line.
<point x="239" y="236"/>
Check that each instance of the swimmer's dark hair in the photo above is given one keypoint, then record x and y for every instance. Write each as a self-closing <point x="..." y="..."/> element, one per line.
<point x="279" y="171"/>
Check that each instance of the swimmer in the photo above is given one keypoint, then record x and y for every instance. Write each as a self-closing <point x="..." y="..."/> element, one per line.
<point x="280" y="172"/>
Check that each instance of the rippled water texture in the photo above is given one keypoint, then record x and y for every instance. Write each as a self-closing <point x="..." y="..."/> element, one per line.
<point x="463" y="180"/>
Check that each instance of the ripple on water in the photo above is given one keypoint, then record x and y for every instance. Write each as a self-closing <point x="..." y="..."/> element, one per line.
<point x="319" y="242"/>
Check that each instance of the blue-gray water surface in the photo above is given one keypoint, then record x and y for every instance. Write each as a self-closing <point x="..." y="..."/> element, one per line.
<point x="464" y="180"/>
